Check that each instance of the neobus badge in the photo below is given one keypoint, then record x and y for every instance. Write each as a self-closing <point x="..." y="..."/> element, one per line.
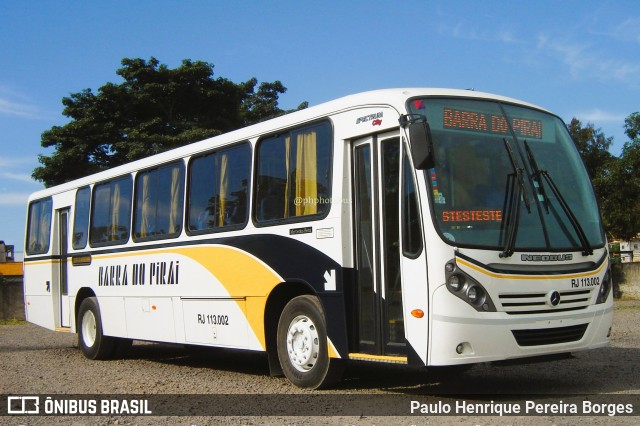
<point x="546" y="257"/>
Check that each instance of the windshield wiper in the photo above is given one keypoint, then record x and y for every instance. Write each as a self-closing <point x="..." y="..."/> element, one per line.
<point x="538" y="174"/>
<point x="512" y="201"/>
<point x="519" y="174"/>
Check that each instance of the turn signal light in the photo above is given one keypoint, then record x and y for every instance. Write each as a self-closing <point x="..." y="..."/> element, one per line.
<point x="418" y="313"/>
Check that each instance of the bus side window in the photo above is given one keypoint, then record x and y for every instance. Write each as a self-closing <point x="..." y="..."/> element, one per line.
<point x="159" y="202"/>
<point x="81" y="218"/>
<point x="39" y="228"/>
<point x="294" y="174"/>
<point x="218" y="189"/>
<point x="111" y="212"/>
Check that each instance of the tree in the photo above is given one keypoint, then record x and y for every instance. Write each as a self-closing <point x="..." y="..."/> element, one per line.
<point x="616" y="180"/>
<point x="263" y="104"/>
<point x="593" y="147"/>
<point x="622" y="206"/>
<point x="622" y="218"/>
<point x="632" y="127"/>
<point x="154" y="109"/>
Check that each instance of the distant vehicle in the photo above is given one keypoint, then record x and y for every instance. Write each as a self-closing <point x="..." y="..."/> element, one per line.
<point x="427" y="227"/>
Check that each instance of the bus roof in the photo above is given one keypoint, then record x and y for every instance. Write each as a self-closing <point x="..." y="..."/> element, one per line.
<point x="395" y="98"/>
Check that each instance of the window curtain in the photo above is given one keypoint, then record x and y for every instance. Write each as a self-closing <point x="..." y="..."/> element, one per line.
<point x="306" y="174"/>
<point x="224" y="187"/>
<point x="115" y="212"/>
<point x="176" y="201"/>
<point x="287" y="166"/>
<point x="146" y="206"/>
<point x="45" y="226"/>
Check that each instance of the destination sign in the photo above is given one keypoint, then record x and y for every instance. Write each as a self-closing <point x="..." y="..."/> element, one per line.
<point x="457" y="119"/>
<point x="471" y="215"/>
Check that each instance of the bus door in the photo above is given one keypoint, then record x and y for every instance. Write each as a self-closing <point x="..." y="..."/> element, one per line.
<point x="378" y="295"/>
<point x="63" y="241"/>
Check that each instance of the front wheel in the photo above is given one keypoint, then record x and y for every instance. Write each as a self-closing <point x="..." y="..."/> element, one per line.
<point x="303" y="345"/>
<point x="92" y="343"/>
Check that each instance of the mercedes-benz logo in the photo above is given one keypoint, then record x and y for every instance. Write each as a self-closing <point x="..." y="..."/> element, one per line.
<point x="554" y="298"/>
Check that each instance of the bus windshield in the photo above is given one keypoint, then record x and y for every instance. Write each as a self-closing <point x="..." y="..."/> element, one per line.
<point x="507" y="178"/>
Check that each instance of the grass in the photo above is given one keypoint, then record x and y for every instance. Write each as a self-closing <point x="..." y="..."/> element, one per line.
<point x="12" y="321"/>
<point x="625" y="303"/>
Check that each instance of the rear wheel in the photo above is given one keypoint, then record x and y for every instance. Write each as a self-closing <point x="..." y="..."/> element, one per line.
<point x="92" y="343"/>
<point x="302" y="345"/>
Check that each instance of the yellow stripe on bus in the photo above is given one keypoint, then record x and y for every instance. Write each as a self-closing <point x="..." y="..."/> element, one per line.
<point x="529" y="277"/>
<point x="378" y="358"/>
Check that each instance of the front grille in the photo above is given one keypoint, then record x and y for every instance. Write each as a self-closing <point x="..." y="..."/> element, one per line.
<point x="536" y="303"/>
<point x="549" y="336"/>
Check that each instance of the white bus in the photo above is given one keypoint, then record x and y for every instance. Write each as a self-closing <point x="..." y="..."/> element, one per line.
<point x="426" y="227"/>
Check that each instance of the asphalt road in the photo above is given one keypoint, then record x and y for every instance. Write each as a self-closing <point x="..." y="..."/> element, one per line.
<point x="37" y="361"/>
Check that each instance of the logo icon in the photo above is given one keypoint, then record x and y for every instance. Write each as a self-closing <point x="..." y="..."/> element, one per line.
<point x="23" y="405"/>
<point x="554" y="298"/>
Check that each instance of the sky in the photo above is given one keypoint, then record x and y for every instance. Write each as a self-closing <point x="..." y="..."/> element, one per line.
<point x="576" y="58"/>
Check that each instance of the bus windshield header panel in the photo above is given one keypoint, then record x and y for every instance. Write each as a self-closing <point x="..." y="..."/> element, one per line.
<point x="475" y="177"/>
<point x="482" y="119"/>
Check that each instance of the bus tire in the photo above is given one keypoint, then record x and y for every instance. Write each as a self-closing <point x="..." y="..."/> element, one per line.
<point x="302" y="345"/>
<point x="92" y="343"/>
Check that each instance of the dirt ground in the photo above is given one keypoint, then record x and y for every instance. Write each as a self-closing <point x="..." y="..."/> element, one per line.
<point x="194" y="383"/>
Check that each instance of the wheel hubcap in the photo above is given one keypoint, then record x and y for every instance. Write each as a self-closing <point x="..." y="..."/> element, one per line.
<point x="89" y="329"/>
<point x="303" y="343"/>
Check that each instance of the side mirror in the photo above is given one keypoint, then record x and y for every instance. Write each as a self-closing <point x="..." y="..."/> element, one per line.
<point x="420" y="140"/>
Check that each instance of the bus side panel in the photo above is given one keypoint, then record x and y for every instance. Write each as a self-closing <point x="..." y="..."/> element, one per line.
<point x="415" y="295"/>
<point x="112" y="313"/>
<point x="216" y="322"/>
<point x="150" y="318"/>
<point x="39" y="310"/>
<point x="39" y="303"/>
<point x="199" y="294"/>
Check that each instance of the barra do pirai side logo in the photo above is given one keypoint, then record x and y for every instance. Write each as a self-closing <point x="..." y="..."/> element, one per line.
<point x="139" y="274"/>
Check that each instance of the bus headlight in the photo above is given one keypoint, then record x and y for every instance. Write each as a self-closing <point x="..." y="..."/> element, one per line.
<point x="605" y="288"/>
<point x="455" y="282"/>
<point x="475" y="295"/>
<point x="461" y="285"/>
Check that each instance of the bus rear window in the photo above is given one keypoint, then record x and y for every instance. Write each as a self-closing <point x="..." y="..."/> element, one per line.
<point x="39" y="227"/>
